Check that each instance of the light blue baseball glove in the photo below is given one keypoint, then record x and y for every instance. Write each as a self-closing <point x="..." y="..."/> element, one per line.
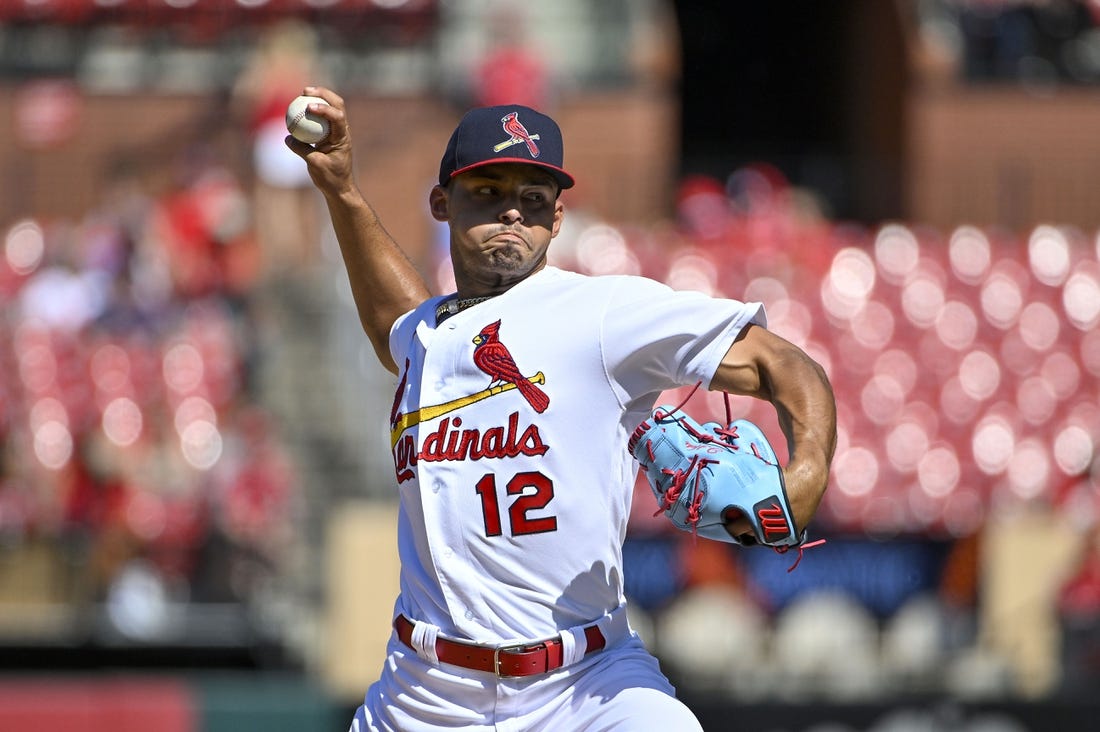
<point x="706" y="475"/>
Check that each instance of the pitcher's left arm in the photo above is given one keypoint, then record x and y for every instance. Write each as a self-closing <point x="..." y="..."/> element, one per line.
<point x="764" y="365"/>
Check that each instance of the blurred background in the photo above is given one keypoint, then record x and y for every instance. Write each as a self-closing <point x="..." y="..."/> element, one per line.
<point x="197" y="519"/>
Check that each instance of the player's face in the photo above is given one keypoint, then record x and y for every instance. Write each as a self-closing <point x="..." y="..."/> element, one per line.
<point x="502" y="218"/>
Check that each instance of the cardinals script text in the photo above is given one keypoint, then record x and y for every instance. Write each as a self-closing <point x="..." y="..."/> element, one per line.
<point x="451" y="442"/>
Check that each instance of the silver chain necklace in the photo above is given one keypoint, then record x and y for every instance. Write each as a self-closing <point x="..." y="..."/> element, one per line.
<point x="448" y="308"/>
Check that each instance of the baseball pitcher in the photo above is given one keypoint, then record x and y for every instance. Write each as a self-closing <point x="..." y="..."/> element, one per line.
<point x="523" y="409"/>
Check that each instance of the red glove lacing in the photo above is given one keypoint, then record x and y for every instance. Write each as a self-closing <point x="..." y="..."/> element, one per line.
<point x="801" y="550"/>
<point x="679" y="481"/>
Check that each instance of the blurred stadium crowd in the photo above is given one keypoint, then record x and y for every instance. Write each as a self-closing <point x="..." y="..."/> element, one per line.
<point x="133" y="442"/>
<point x="143" y="471"/>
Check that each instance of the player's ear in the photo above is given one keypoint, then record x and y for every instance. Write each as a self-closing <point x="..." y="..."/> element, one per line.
<point x="559" y="216"/>
<point x="437" y="203"/>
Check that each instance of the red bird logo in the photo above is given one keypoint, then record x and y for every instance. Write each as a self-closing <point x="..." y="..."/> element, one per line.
<point x="492" y="357"/>
<point x="517" y="134"/>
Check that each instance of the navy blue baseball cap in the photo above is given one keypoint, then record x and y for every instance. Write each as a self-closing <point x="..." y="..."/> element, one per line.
<point x="505" y="134"/>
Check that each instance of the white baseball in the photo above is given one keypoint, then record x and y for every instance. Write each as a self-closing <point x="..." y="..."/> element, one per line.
<point x="304" y="126"/>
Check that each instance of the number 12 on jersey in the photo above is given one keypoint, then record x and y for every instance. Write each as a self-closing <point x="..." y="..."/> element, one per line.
<point x="526" y="500"/>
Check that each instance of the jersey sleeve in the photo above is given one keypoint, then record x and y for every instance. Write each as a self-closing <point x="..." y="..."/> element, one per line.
<point x="656" y="338"/>
<point x="405" y="326"/>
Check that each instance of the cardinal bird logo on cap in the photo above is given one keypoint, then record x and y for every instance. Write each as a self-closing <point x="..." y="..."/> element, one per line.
<point x="517" y="134"/>
<point x="493" y="357"/>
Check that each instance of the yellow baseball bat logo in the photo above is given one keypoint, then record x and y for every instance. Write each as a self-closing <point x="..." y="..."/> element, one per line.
<point x="514" y="141"/>
<point x="424" y="414"/>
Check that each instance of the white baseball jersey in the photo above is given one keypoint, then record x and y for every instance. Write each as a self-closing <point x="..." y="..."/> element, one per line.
<point x="509" y="432"/>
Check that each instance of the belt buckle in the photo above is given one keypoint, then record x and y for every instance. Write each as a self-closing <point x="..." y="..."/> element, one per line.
<point x="505" y="649"/>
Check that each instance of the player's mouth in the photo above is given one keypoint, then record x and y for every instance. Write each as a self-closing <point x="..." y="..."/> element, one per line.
<point x="506" y="238"/>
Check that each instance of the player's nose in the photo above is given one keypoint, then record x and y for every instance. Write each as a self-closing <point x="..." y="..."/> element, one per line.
<point x="511" y="214"/>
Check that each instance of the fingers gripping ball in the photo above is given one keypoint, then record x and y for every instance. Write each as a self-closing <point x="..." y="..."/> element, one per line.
<point x="306" y="127"/>
<point x="702" y="474"/>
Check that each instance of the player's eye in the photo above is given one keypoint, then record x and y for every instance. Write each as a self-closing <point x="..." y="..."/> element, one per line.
<point x="538" y="195"/>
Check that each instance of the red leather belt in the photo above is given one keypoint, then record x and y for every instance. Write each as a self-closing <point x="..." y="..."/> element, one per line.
<point x="507" y="661"/>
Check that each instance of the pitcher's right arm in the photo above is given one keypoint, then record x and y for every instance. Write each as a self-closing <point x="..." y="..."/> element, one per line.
<point x="384" y="282"/>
